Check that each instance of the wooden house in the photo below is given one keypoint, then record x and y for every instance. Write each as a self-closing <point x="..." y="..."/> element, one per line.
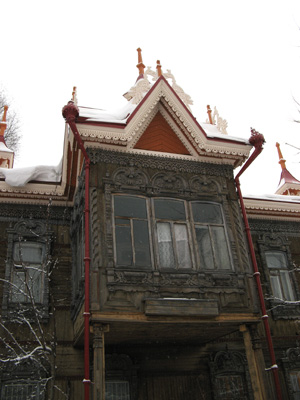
<point x="130" y="269"/>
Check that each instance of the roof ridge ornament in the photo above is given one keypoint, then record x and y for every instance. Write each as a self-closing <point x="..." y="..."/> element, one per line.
<point x="142" y="85"/>
<point x="215" y="119"/>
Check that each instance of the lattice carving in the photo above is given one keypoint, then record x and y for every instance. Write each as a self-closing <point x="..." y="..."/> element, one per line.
<point x="168" y="182"/>
<point x="131" y="176"/>
<point x="160" y="163"/>
<point x="204" y="184"/>
<point x="95" y="229"/>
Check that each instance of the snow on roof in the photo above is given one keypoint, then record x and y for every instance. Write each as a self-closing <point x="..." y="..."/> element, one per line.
<point x="3" y="147"/>
<point x="274" y="197"/>
<point x="213" y="132"/>
<point x="116" y="116"/>
<point x="20" y="176"/>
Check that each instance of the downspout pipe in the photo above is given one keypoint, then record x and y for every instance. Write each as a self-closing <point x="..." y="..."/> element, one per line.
<point x="70" y="113"/>
<point x="257" y="140"/>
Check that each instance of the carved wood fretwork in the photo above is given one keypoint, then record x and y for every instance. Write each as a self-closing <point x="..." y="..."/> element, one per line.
<point x="160" y="163"/>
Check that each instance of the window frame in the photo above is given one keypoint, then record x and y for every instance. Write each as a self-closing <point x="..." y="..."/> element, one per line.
<point x="13" y="384"/>
<point x="27" y="231"/>
<point x="25" y="267"/>
<point x="153" y="220"/>
<point x="279" y="273"/>
<point x="172" y="223"/>
<point x="134" y="264"/>
<point x="212" y="240"/>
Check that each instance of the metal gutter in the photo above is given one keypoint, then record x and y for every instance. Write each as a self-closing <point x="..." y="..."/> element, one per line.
<point x="70" y="113"/>
<point x="257" y="140"/>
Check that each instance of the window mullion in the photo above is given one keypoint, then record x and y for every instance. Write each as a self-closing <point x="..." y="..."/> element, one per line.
<point x="213" y="247"/>
<point x="175" y="251"/>
<point x="132" y="241"/>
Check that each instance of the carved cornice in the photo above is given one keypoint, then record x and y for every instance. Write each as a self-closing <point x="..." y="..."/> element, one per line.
<point x="160" y="163"/>
<point x="291" y="228"/>
<point x="54" y="215"/>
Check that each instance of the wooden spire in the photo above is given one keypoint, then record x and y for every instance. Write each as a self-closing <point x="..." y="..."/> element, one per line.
<point x="158" y="67"/>
<point x="281" y="159"/>
<point x="140" y="65"/>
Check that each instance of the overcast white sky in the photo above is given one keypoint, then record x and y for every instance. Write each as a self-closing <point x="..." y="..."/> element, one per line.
<point x="241" y="56"/>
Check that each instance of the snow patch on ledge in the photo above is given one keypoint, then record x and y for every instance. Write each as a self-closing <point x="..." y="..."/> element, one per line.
<point x="116" y="116"/>
<point x="20" y="176"/>
<point x="273" y="197"/>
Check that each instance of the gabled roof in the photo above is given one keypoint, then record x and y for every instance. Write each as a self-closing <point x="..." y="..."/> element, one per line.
<point x="124" y="129"/>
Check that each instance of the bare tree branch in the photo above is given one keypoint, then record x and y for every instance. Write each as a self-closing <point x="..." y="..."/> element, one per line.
<point x="12" y="134"/>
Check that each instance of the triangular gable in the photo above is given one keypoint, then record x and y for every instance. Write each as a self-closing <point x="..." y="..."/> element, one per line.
<point x="160" y="137"/>
<point x="189" y="138"/>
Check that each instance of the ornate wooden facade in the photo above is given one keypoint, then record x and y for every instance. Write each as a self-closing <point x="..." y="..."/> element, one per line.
<point x="173" y="308"/>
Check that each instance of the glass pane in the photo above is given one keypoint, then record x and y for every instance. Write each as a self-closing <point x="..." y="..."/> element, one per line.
<point x="286" y="286"/>
<point x="124" y="245"/>
<point x="18" y="290"/>
<point x="231" y="387"/>
<point x="35" y="283"/>
<point x="207" y="213"/>
<point x="169" y="209"/>
<point x="276" y="259"/>
<point x="28" y="252"/>
<point x="220" y="248"/>
<point x="182" y="246"/>
<point x="117" y="390"/>
<point x="141" y="243"/>
<point x="165" y="246"/>
<point x="130" y="206"/>
<point x="122" y="221"/>
<point x="295" y="381"/>
<point x="204" y="247"/>
<point x="276" y="289"/>
<point x="20" y="391"/>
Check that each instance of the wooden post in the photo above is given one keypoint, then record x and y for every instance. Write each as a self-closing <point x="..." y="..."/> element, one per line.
<point x="257" y="380"/>
<point x="99" y="360"/>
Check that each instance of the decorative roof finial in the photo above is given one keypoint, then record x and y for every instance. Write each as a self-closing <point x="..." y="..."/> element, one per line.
<point x="281" y="159"/>
<point x="74" y="95"/>
<point x="209" y="111"/>
<point x="140" y="65"/>
<point x="158" y="67"/>
<point x="3" y="123"/>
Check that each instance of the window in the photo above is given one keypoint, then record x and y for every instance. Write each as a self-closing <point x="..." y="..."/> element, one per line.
<point x="27" y="273"/>
<point x="279" y="275"/>
<point x="117" y="390"/>
<point x="131" y="231"/>
<point x="230" y="387"/>
<point x="172" y="234"/>
<point x="295" y="383"/>
<point x="212" y="245"/>
<point x="182" y="233"/>
<point x="21" y="390"/>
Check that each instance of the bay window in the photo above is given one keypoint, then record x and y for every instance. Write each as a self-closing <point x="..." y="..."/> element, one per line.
<point x="185" y="235"/>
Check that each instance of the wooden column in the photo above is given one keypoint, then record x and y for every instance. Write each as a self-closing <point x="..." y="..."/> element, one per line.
<point x="255" y="370"/>
<point x="99" y="360"/>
